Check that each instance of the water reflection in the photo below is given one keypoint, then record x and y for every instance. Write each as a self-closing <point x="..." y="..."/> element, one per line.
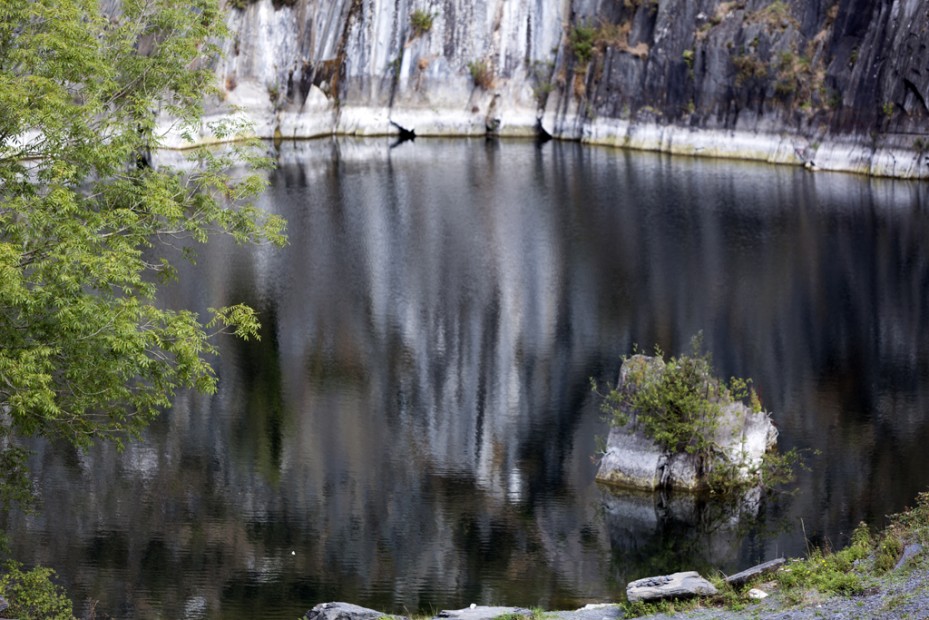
<point x="414" y="431"/>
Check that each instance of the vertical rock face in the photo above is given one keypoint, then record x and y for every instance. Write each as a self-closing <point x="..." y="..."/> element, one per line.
<point x="832" y="83"/>
<point x="475" y="58"/>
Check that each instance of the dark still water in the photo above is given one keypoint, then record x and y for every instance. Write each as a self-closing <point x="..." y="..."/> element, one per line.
<point x="415" y="429"/>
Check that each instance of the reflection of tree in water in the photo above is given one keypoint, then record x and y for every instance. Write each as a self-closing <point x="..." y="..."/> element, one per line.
<point x="257" y="429"/>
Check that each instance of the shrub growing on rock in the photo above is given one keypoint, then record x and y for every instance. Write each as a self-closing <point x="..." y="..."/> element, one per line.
<point x="482" y="74"/>
<point x="680" y="405"/>
<point x="702" y="425"/>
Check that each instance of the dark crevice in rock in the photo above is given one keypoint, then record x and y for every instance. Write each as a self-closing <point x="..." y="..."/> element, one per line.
<point x="914" y="90"/>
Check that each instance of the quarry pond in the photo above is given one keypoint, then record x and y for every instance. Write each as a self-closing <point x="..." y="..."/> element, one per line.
<point x="416" y="429"/>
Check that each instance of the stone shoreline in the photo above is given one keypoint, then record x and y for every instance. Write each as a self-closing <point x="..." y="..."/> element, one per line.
<point x="853" y="154"/>
<point x="895" y="597"/>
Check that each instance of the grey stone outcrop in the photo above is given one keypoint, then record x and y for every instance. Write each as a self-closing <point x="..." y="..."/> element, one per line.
<point x="632" y="460"/>
<point x="678" y="585"/>
<point x="346" y="611"/>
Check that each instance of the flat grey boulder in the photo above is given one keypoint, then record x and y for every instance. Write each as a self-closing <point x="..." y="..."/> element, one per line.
<point x="632" y="460"/>
<point x="481" y="612"/>
<point x="346" y="611"/>
<point x="679" y="585"/>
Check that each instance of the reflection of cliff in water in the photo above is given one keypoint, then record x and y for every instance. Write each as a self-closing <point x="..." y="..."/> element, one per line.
<point x="416" y="423"/>
<point x="663" y="532"/>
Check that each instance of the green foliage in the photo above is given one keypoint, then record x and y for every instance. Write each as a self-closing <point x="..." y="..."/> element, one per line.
<point x="541" y="74"/>
<point x="913" y="525"/>
<point x="535" y="613"/>
<point x="87" y="352"/>
<point x="421" y="22"/>
<point x="829" y="573"/>
<point x="641" y="608"/>
<point x="33" y="595"/>
<point x="678" y="403"/>
<point x="274" y="95"/>
<point x="748" y="67"/>
<point x="582" y="40"/>
<point x="14" y="476"/>
<point x="726" y="598"/>
<point x="482" y="74"/>
<point x="853" y="569"/>
<point x="888" y="552"/>
<point x="775" y="15"/>
<point x="679" y="408"/>
<point x="688" y="57"/>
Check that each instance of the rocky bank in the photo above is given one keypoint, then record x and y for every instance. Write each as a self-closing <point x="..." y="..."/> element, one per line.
<point x="831" y="84"/>
<point x="897" y="597"/>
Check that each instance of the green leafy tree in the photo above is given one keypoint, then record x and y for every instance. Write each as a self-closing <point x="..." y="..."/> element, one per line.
<point x="86" y="352"/>
<point x="33" y="595"/>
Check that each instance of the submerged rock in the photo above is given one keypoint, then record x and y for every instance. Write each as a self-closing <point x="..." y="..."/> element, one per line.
<point x="679" y="585"/>
<point x="633" y="460"/>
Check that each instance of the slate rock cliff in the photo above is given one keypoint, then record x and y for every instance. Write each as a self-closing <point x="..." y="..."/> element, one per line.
<point x="836" y="84"/>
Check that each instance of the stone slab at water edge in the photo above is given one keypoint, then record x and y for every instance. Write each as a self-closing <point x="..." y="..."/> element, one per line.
<point x="345" y="611"/>
<point x="741" y="437"/>
<point x="678" y="585"/>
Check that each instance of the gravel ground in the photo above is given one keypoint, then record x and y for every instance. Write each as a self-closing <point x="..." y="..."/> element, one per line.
<point x="896" y="597"/>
